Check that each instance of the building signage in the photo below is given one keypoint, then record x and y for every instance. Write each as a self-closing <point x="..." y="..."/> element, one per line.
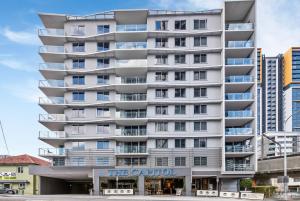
<point x="8" y="176"/>
<point x="141" y="172"/>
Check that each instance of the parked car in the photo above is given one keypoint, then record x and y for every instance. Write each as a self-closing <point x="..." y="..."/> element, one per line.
<point x="2" y="191"/>
<point x="7" y="190"/>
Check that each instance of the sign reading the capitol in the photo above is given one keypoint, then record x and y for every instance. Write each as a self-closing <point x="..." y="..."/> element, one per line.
<point x="140" y="172"/>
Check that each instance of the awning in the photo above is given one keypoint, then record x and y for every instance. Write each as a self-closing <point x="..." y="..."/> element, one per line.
<point x="14" y="181"/>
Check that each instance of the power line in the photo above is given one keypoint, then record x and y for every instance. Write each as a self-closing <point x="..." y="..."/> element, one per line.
<point x="4" y="138"/>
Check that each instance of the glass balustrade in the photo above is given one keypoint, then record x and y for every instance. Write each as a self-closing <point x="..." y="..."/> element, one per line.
<point x="238" y="113"/>
<point x="239" y="44"/>
<point x="131" y="27"/>
<point x="239" y="61"/>
<point x="239" y="26"/>
<point x="239" y="78"/>
<point x="131" y="45"/>
<point x="238" y="96"/>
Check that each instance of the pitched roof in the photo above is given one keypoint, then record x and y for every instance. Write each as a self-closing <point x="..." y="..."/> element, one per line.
<point x="24" y="159"/>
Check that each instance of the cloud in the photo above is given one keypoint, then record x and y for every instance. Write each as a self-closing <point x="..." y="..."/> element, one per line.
<point x="15" y="63"/>
<point x="21" y="37"/>
<point x="277" y="20"/>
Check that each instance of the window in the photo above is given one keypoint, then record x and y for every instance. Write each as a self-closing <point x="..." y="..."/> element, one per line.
<point x="179" y="161"/>
<point x="103" y="144"/>
<point x="200" y="161"/>
<point x="200" y="109"/>
<point x="161" y="59"/>
<point x="77" y="129"/>
<point x="200" y="58"/>
<point x="103" y="96"/>
<point x="180" y="76"/>
<point x="162" y="143"/>
<point x="161" y="25"/>
<point x="200" y="75"/>
<point x="22" y="185"/>
<point x="78" y="47"/>
<point x="78" y="96"/>
<point x="161" y="126"/>
<point x="200" y="142"/>
<point x="161" y="161"/>
<point x="102" y="112"/>
<point x="161" y="93"/>
<point x="102" y="29"/>
<point x="78" y="113"/>
<point x="179" y="143"/>
<point x="77" y="161"/>
<point x="200" y="126"/>
<point x="161" y="42"/>
<point x="179" y="42"/>
<point x="102" y="161"/>
<point x="200" y="41"/>
<point x="200" y="92"/>
<point x="78" y="146"/>
<point x="179" y="126"/>
<point x="102" y="79"/>
<point x="180" y="59"/>
<point x="78" y="63"/>
<point x="179" y="109"/>
<point x="180" y="24"/>
<point x="161" y="76"/>
<point x="78" y="30"/>
<point x="161" y="110"/>
<point x="103" y="129"/>
<point x="20" y="169"/>
<point x="103" y="63"/>
<point x="180" y="93"/>
<point x="78" y="80"/>
<point x="200" y="24"/>
<point x="103" y="46"/>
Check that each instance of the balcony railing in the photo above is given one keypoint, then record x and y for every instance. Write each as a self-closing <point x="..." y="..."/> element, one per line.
<point x="51" y="100"/>
<point x="51" y="83"/>
<point x="239" y="26"/>
<point x="239" y="61"/>
<point x="238" y="113"/>
<point x="51" y="32"/>
<point x="133" y="97"/>
<point x="238" y="96"/>
<point x="131" y="63"/>
<point x="131" y="149"/>
<point x="52" y="134"/>
<point x="240" y="167"/>
<point x="239" y="78"/>
<point x="238" y="131"/>
<point x="52" y="66"/>
<point x="133" y="114"/>
<point x="52" y="152"/>
<point x="133" y="132"/>
<point x="237" y="148"/>
<point x="133" y="80"/>
<point x="239" y="44"/>
<point x="131" y="27"/>
<point x="131" y="45"/>
<point x="52" y="49"/>
<point x="52" y="117"/>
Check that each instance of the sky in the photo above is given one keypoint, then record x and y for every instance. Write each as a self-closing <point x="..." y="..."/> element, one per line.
<point x="278" y="29"/>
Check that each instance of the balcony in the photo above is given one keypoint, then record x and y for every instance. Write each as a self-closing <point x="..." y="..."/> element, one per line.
<point x="131" y="63"/>
<point x="240" y="168"/>
<point x="52" y="118"/>
<point x="51" y="100"/>
<point x="52" y="134"/>
<point x="133" y="97"/>
<point x="51" y="32"/>
<point x="131" y="150"/>
<point x="52" y="66"/>
<point x="239" y="61"/>
<point x="238" y="131"/>
<point x="238" y="113"/>
<point x="131" y="45"/>
<point x="52" y="152"/>
<point x="133" y="80"/>
<point x="132" y="114"/>
<point x="239" y="44"/>
<point x="238" y="149"/>
<point x="238" y="96"/>
<point x="239" y="27"/>
<point x="52" y="49"/>
<point x="239" y="78"/>
<point x="131" y="27"/>
<point x="133" y="132"/>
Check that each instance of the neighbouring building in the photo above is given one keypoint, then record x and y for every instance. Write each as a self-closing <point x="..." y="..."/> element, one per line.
<point x="149" y="100"/>
<point x="14" y="173"/>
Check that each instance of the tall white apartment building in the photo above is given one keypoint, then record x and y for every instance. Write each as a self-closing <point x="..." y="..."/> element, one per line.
<point x="149" y="100"/>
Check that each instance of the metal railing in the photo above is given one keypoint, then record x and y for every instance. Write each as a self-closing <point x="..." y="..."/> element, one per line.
<point x="239" y="78"/>
<point x="52" y="66"/>
<point x="51" y="83"/>
<point x="52" y="49"/>
<point x="133" y="114"/>
<point x="131" y="149"/>
<point x="51" y="32"/>
<point x="238" y="148"/>
<point x="131" y="27"/>
<point x="238" y="131"/>
<point x="238" y="113"/>
<point x="131" y="45"/>
<point x="52" y="117"/>
<point x="240" y="167"/>
<point x="239" y="44"/>
<point x="239" y="61"/>
<point x="239" y="26"/>
<point x="238" y="96"/>
<point x="133" y="80"/>
<point x="133" y="97"/>
<point x="133" y="132"/>
<point x="51" y="100"/>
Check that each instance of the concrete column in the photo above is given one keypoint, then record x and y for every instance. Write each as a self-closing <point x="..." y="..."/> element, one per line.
<point x="96" y="186"/>
<point x="141" y="185"/>
<point x="188" y="185"/>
